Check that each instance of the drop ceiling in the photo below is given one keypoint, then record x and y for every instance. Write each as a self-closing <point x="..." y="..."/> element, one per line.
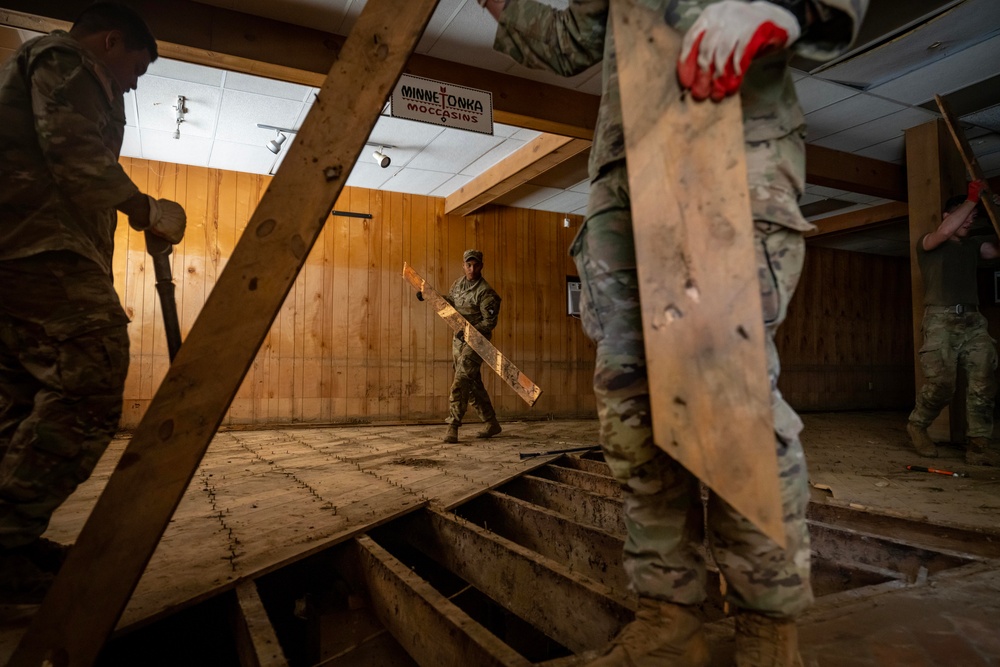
<point x="861" y="104"/>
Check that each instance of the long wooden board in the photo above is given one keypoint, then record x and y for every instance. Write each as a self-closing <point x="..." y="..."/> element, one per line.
<point x="501" y="365"/>
<point x="968" y="157"/>
<point x="701" y="311"/>
<point x="122" y="532"/>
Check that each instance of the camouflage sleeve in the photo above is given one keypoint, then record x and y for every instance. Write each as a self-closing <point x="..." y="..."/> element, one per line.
<point x="70" y="106"/>
<point x="837" y="27"/>
<point x="565" y="41"/>
<point x="489" y="308"/>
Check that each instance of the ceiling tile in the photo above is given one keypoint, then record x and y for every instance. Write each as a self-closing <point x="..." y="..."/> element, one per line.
<point x="452" y="151"/>
<point x="370" y="175"/>
<point x="241" y="112"/>
<point x="415" y="181"/>
<point x="441" y="19"/>
<point x="163" y="147"/>
<point x="582" y="186"/>
<point x="131" y="145"/>
<point x="942" y="77"/>
<point x="451" y="185"/>
<point x="156" y="99"/>
<point x="181" y="71"/>
<point x="255" y="84"/>
<point x="890" y="151"/>
<point x="814" y="93"/>
<point x="528" y="196"/>
<point x="849" y="113"/>
<point x="255" y="159"/>
<point x="493" y="156"/>
<point x="564" y="202"/>
<point x="876" y="131"/>
<point x="131" y="113"/>
<point x="824" y="192"/>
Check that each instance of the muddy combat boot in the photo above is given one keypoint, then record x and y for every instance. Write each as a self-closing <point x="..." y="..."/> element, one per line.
<point x="492" y="428"/>
<point x="452" y="434"/>
<point x="921" y="441"/>
<point x="979" y="453"/>
<point x="661" y="634"/>
<point x="762" y="641"/>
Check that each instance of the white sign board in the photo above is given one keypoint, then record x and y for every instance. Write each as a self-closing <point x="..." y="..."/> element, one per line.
<point x="442" y="104"/>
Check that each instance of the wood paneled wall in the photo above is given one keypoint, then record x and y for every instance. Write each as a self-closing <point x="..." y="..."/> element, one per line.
<point x="351" y="343"/>
<point x="847" y="342"/>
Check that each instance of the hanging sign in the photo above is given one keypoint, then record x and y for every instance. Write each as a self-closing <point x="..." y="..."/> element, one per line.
<point x="442" y="104"/>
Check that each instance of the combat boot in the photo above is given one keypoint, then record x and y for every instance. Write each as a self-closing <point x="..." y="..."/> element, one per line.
<point x="921" y="441"/>
<point x="979" y="453"/>
<point x="452" y="434"/>
<point x="492" y="428"/>
<point x="661" y="634"/>
<point x="762" y="641"/>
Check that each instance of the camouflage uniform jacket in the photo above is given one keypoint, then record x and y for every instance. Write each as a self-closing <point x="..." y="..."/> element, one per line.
<point x="569" y="41"/>
<point x="62" y="119"/>
<point x="477" y="302"/>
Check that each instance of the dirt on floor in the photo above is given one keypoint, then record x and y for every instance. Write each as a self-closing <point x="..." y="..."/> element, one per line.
<point x="860" y="458"/>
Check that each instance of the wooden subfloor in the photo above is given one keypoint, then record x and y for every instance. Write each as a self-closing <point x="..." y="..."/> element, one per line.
<point x="262" y="499"/>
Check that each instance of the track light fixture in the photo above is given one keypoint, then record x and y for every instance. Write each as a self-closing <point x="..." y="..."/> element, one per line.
<point x="274" y="145"/>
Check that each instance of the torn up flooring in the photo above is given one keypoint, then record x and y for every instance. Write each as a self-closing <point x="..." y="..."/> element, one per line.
<point x="488" y="558"/>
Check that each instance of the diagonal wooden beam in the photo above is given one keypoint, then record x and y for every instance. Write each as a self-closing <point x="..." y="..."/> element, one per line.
<point x="969" y="158"/>
<point x="129" y="518"/>
<point x="873" y="216"/>
<point x="539" y="155"/>
<point x="256" y="641"/>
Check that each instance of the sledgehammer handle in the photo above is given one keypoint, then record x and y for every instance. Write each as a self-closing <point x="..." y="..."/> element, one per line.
<point x="159" y="249"/>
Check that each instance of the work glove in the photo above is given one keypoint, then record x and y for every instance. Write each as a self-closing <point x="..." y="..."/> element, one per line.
<point x="167" y="219"/>
<point x="420" y="296"/>
<point x="975" y="189"/>
<point x="717" y="50"/>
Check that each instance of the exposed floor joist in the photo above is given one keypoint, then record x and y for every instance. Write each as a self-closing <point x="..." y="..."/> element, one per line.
<point x="541" y="154"/>
<point x="855" y="173"/>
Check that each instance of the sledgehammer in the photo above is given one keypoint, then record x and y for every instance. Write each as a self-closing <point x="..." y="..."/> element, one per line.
<point x="159" y="249"/>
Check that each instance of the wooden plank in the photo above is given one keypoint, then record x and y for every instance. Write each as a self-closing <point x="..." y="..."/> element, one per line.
<point x="107" y="560"/>
<point x="968" y="157"/>
<point x="536" y="157"/>
<point x="502" y="366"/>
<point x="873" y="216"/>
<point x="575" y="611"/>
<point x="256" y="641"/>
<point x="431" y="629"/>
<point x="701" y="313"/>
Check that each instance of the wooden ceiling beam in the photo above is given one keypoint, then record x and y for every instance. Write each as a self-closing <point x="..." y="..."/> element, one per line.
<point x="855" y="173"/>
<point x="853" y="221"/>
<point x="538" y="156"/>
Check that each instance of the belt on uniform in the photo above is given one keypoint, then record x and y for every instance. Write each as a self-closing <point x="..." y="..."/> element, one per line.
<point x="957" y="309"/>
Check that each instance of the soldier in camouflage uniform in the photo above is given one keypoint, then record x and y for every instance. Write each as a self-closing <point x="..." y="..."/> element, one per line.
<point x="768" y="583"/>
<point x="64" y="348"/>
<point x="479" y="303"/>
<point x="955" y="331"/>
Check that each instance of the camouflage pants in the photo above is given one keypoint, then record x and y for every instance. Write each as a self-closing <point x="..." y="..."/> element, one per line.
<point x="664" y="514"/>
<point x="468" y="385"/>
<point x="63" y="359"/>
<point x="952" y="341"/>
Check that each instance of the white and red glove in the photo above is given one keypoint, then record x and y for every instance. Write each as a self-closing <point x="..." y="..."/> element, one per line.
<point x="167" y="219"/>
<point x="717" y="50"/>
